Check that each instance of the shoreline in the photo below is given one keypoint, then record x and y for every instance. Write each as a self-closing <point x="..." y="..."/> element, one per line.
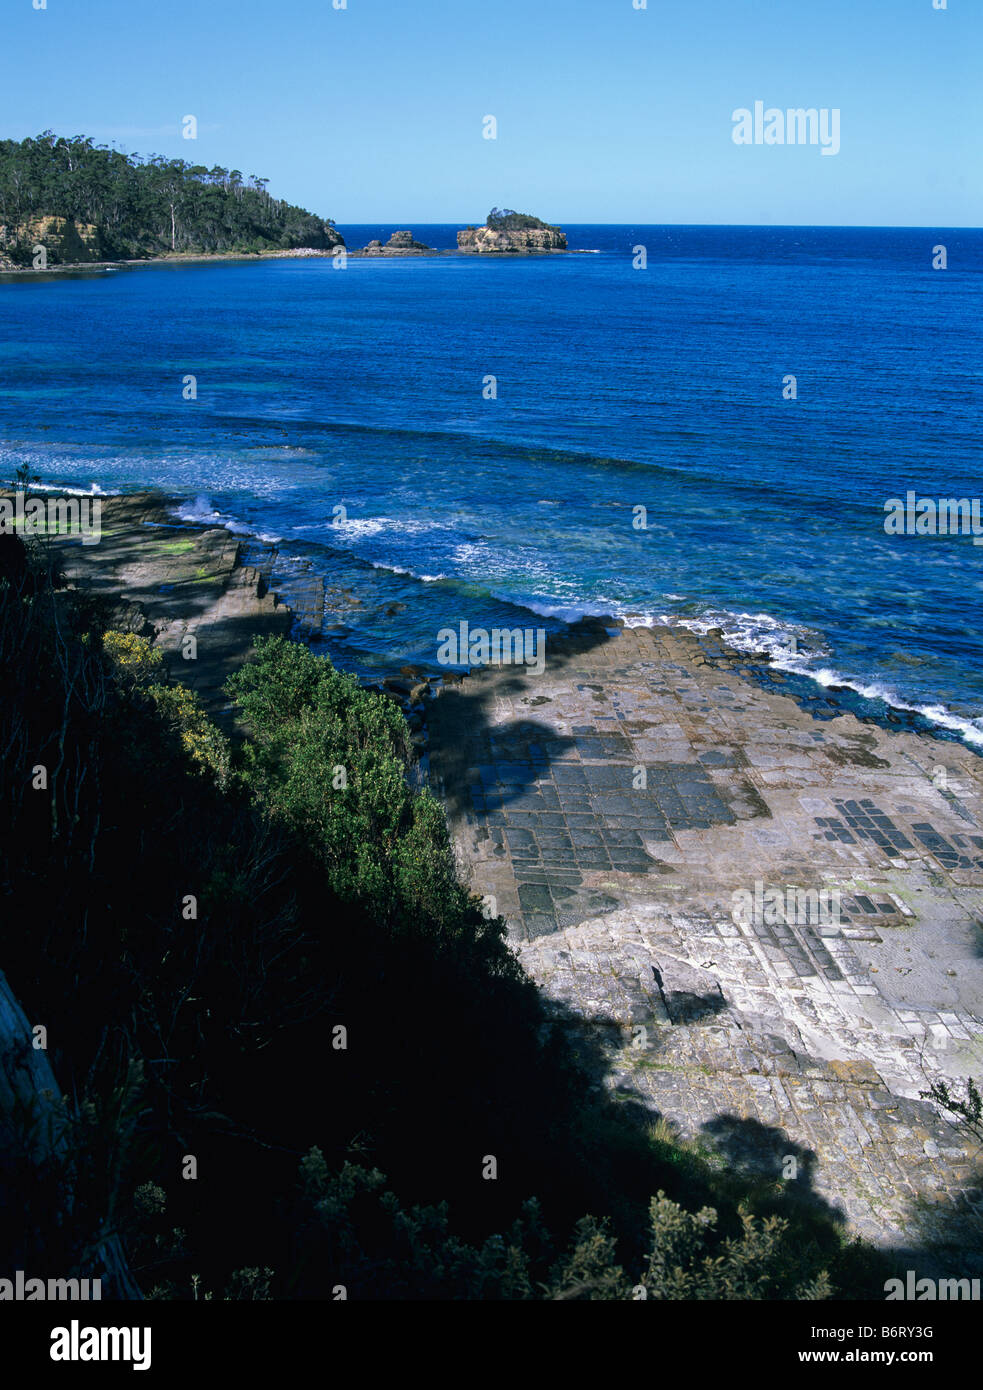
<point x="759" y="666"/>
<point x="253" y="257"/>
<point x="185" y="587"/>
<point x="614" y="807"/>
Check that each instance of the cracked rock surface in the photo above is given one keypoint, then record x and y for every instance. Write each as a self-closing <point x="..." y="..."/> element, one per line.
<point x="611" y="808"/>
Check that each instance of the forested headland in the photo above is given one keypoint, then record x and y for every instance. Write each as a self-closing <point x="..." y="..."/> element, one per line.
<point x="87" y="202"/>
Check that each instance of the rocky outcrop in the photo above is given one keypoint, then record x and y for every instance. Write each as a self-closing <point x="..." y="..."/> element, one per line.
<point x="325" y="238"/>
<point x="399" y="244"/>
<point x="177" y="580"/>
<point x="506" y="230"/>
<point x="65" y="242"/>
<point x="509" y="231"/>
<point x="524" y="239"/>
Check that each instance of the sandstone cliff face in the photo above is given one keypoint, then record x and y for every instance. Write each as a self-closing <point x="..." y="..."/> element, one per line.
<point x="65" y="241"/>
<point x="484" y="239"/>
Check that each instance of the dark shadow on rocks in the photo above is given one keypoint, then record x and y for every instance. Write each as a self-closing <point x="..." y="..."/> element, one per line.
<point x="687" y="1006"/>
<point x="736" y="1161"/>
<point x="556" y="805"/>
<point x="948" y="1233"/>
<point x="765" y="1152"/>
<point x="466" y="739"/>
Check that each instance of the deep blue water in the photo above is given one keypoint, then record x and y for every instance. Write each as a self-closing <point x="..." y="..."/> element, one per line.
<point x="616" y="388"/>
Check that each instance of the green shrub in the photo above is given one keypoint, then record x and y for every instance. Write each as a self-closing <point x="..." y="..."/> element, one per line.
<point x="330" y="760"/>
<point x="138" y="667"/>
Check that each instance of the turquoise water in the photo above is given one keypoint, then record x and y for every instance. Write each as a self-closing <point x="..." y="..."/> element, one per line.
<point x="616" y="388"/>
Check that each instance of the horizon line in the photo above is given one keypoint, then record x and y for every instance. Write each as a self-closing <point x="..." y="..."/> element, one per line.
<point x="766" y="226"/>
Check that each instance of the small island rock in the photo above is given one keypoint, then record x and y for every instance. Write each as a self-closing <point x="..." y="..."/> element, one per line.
<point x="508" y="231"/>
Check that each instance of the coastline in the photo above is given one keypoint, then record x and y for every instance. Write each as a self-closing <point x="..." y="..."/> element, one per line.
<point x="205" y="258"/>
<point x="823" y="695"/>
<point x="172" y="581"/>
<point x="619" y="891"/>
<point x="246" y="257"/>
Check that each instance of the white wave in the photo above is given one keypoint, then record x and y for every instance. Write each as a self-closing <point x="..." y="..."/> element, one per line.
<point x="93" y="491"/>
<point x="375" y="525"/>
<point x="410" y="573"/>
<point x="969" y="729"/>
<point x="370" y="526"/>
<point x="240" y="528"/>
<point x="469" y="551"/>
<point x="782" y="644"/>
<point x="202" y="510"/>
<point x="565" y="612"/>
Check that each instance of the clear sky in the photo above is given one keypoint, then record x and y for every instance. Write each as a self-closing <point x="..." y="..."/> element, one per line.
<point x="605" y="113"/>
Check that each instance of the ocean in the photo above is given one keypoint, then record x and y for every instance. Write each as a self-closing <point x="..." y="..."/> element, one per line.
<point x="478" y="439"/>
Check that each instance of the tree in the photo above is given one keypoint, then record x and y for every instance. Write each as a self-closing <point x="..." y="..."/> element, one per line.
<point x="139" y="206"/>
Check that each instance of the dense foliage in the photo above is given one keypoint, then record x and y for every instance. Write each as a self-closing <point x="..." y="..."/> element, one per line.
<point x="114" y="205"/>
<point x="246" y="959"/>
<point x="505" y="220"/>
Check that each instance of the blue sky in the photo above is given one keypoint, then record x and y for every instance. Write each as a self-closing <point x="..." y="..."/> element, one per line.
<point x="605" y="113"/>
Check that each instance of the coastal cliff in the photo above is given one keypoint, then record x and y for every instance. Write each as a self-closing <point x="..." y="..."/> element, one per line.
<point x="65" y="241"/>
<point x="511" y="232"/>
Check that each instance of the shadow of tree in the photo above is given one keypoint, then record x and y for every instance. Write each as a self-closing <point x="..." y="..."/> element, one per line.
<point x="469" y="737"/>
<point x="765" y="1152"/>
<point x="736" y="1161"/>
<point x="742" y="1160"/>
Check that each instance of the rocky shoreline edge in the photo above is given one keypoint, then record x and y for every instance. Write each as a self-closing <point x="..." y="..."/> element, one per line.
<point x="240" y="570"/>
<point x="172" y="579"/>
<point x="299" y="253"/>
